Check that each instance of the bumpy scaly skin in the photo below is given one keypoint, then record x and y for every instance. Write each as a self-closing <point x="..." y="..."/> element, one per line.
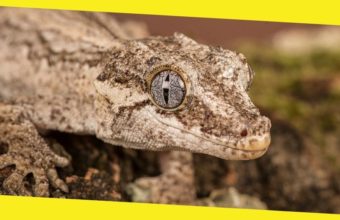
<point x="82" y="73"/>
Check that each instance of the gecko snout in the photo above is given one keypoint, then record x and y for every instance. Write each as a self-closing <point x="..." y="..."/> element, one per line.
<point x="256" y="136"/>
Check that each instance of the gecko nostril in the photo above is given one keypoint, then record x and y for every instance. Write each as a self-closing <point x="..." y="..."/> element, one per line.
<point x="244" y="133"/>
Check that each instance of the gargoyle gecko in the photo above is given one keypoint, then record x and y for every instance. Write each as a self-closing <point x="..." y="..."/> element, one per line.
<point x="83" y="73"/>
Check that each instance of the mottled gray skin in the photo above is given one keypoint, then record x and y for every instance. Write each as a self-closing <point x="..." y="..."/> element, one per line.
<point x="83" y="73"/>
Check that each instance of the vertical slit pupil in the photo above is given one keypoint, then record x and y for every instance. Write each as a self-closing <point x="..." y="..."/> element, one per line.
<point x="166" y="90"/>
<point x="166" y="95"/>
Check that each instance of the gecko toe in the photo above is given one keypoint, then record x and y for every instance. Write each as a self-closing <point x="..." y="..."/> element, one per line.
<point x="13" y="183"/>
<point x="60" y="161"/>
<point x="56" y="181"/>
<point x="41" y="183"/>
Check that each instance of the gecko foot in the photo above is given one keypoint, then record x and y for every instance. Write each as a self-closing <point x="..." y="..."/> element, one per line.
<point x="175" y="185"/>
<point x="30" y="154"/>
<point x="41" y="167"/>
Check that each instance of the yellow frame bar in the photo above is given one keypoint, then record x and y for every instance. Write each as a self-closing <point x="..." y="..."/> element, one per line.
<point x="316" y="12"/>
<point x="12" y="207"/>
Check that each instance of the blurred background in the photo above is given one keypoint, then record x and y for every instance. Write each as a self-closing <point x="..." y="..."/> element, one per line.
<point x="297" y="84"/>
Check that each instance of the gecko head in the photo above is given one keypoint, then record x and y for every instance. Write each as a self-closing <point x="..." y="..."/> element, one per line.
<point x="173" y="93"/>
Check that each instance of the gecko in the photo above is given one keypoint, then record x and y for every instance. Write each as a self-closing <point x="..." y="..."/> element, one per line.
<point x="83" y="73"/>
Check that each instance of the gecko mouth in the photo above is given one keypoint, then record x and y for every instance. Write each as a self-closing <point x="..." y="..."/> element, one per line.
<point x="248" y="148"/>
<point x="251" y="147"/>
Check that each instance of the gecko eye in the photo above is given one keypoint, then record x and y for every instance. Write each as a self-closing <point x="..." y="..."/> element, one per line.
<point x="167" y="88"/>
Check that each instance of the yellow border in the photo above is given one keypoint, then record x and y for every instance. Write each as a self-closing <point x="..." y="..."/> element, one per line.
<point x="12" y="207"/>
<point x="303" y="11"/>
<point x="321" y="12"/>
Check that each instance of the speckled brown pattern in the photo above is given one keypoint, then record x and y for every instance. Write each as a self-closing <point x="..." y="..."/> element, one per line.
<point x="83" y="73"/>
